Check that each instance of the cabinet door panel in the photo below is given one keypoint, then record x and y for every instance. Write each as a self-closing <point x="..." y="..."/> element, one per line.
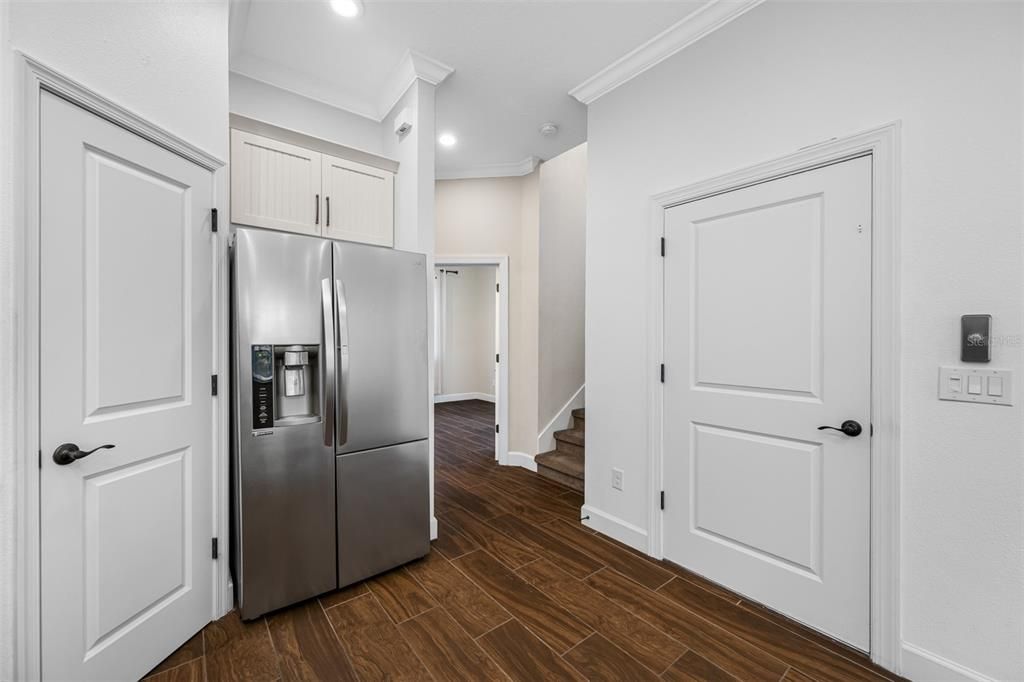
<point x="362" y="202"/>
<point x="274" y="184"/>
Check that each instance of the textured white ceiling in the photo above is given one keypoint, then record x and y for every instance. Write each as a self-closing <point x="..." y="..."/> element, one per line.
<point x="514" y="62"/>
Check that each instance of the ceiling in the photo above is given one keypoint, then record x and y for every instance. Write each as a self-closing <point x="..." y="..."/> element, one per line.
<point x="514" y="62"/>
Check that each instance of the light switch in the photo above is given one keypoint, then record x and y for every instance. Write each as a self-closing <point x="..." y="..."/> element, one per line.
<point x="976" y="385"/>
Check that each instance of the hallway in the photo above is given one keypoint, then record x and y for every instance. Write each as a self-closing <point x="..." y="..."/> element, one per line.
<point x="515" y="588"/>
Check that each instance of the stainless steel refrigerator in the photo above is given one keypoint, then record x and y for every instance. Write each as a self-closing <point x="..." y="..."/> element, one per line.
<point x="330" y="471"/>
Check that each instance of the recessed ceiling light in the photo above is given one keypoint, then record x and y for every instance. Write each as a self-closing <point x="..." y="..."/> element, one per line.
<point x="446" y="140"/>
<point x="549" y="130"/>
<point x="347" y="8"/>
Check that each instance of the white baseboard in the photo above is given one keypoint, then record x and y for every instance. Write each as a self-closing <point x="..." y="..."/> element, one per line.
<point x="921" y="664"/>
<point x="433" y="527"/>
<point x="614" y="527"/>
<point x="546" y="439"/>
<point x="455" y="397"/>
<point x="521" y="459"/>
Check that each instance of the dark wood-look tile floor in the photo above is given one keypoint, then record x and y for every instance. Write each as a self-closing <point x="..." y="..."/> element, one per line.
<point x="515" y="588"/>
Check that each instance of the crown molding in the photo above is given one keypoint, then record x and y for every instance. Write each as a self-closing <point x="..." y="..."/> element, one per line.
<point x="496" y="170"/>
<point x="691" y="28"/>
<point x="412" y="66"/>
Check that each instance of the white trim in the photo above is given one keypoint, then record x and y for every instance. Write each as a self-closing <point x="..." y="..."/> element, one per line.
<point x="433" y="527"/>
<point x="33" y="78"/>
<point x="521" y="459"/>
<point x="921" y="664"/>
<point x="883" y="143"/>
<point x="501" y="453"/>
<point x="456" y="397"/>
<point x="614" y="527"/>
<point x="691" y="28"/>
<point x="546" y="439"/>
<point x="412" y="66"/>
<point x="497" y="170"/>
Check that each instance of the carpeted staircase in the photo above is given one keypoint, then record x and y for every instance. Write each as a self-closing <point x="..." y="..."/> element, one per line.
<point x="564" y="464"/>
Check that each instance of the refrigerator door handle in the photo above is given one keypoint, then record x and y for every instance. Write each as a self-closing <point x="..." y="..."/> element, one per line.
<point x="327" y="363"/>
<point x="343" y="370"/>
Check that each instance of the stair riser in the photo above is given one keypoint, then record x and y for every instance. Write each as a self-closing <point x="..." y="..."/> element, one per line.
<point x="558" y="477"/>
<point x="580" y="424"/>
<point x="563" y="446"/>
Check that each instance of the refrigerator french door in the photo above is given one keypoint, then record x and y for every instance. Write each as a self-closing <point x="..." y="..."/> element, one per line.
<point x="330" y="460"/>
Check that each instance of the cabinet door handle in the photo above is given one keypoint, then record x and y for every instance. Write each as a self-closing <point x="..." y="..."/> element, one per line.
<point x="328" y="211"/>
<point x="316" y="204"/>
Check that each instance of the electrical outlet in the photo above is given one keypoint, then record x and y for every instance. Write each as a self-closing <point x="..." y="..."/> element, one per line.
<point x="617" y="479"/>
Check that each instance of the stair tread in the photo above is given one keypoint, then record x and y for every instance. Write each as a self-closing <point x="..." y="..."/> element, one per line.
<point x="580" y="413"/>
<point x="574" y="436"/>
<point x="562" y="462"/>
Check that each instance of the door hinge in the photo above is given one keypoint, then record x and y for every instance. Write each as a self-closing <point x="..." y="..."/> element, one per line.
<point x="497" y="288"/>
<point x="497" y="428"/>
<point x="213" y="220"/>
<point x="662" y="247"/>
<point x="213" y="547"/>
<point x="663" y="373"/>
<point x="662" y="499"/>
<point x="497" y="357"/>
<point x="40" y="459"/>
<point x="213" y="384"/>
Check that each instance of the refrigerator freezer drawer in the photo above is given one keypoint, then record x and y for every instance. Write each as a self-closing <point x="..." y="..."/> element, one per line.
<point x="383" y="509"/>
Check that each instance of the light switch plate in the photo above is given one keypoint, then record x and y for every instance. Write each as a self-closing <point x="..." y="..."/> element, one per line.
<point x="996" y="385"/>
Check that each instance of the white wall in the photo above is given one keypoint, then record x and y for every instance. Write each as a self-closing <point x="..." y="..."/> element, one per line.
<point x="264" y="102"/>
<point x="562" y="251"/>
<point x="469" y="339"/>
<point x="499" y="216"/>
<point x="167" y="62"/>
<point x="784" y="76"/>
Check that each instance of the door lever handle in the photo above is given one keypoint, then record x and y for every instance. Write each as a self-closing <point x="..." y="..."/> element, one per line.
<point x="849" y="427"/>
<point x="67" y="453"/>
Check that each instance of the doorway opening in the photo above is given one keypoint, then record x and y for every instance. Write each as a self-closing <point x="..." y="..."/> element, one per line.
<point x="470" y="357"/>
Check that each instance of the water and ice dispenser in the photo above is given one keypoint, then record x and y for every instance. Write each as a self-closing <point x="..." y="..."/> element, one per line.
<point x="285" y="385"/>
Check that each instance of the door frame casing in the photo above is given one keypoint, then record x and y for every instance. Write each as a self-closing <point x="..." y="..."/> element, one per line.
<point x="32" y="78"/>
<point x="501" y="394"/>
<point x="883" y="145"/>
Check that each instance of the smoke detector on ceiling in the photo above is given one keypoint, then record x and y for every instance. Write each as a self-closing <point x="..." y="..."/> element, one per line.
<point x="549" y="130"/>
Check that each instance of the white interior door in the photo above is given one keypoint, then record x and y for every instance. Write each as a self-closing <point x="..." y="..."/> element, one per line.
<point x="359" y="202"/>
<point x="275" y="184"/>
<point x="125" y="357"/>
<point x="767" y="337"/>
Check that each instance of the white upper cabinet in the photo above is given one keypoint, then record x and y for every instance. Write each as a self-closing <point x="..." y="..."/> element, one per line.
<point x="359" y="202"/>
<point x="274" y="184"/>
<point x="286" y="187"/>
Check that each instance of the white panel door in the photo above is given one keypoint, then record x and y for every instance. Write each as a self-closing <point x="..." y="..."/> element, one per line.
<point x="359" y="202"/>
<point x="767" y="337"/>
<point x="125" y="357"/>
<point x="274" y="184"/>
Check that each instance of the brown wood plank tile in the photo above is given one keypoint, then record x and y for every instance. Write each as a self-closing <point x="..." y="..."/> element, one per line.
<point x="306" y="645"/>
<point x="446" y="650"/>
<point x="553" y="624"/>
<point x="776" y="640"/>
<point x="692" y="667"/>
<point x="373" y="643"/>
<point x="600" y="660"/>
<point x="470" y="606"/>
<point x="190" y="650"/>
<point x="628" y="564"/>
<point x="451" y="542"/>
<point x="549" y="545"/>
<point x="516" y="480"/>
<point x="510" y="552"/>
<point x="639" y="639"/>
<point x="733" y="654"/>
<point x="400" y="595"/>
<point x="703" y="582"/>
<point x="523" y="657"/>
<point x="479" y="502"/>
<point x="343" y="595"/>
<point x="190" y="671"/>
<point x="239" y="651"/>
<point x="530" y="506"/>
<point x="794" y="675"/>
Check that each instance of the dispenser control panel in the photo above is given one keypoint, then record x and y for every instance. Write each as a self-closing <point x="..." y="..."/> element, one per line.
<point x="262" y="387"/>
